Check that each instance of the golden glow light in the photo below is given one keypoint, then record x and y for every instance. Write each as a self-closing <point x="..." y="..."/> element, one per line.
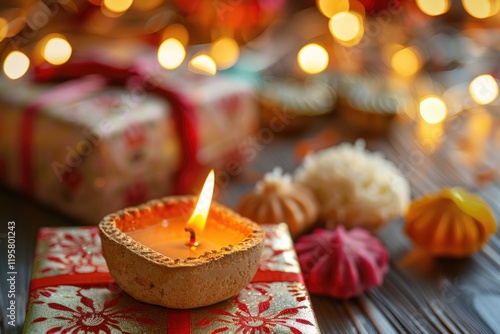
<point x="346" y="27"/>
<point x="434" y="7"/>
<point x="481" y="8"/>
<point x="177" y="31"/>
<point x="57" y="50"/>
<point x="4" y="28"/>
<point x="331" y="7"/>
<point x="171" y="54"/>
<point x="433" y="109"/>
<point x="117" y="6"/>
<point x="198" y="219"/>
<point x="146" y="5"/>
<point x="225" y="52"/>
<point x="483" y="89"/>
<point x="406" y="62"/>
<point x="16" y="65"/>
<point x="203" y="64"/>
<point x="16" y="20"/>
<point x="313" y="58"/>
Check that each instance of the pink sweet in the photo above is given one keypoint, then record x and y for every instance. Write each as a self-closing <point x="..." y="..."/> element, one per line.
<point x="340" y="263"/>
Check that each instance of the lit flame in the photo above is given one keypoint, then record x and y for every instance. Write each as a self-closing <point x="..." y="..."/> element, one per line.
<point x="433" y="109"/>
<point x="57" y="50"/>
<point x="16" y="65"/>
<point x="171" y="54"/>
<point x="483" y="89"/>
<point x="203" y="64"/>
<point x="434" y="7"/>
<point x="198" y="219"/>
<point x="313" y="58"/>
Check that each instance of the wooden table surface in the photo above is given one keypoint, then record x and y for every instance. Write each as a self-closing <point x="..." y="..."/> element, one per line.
<point x="419" y="294"/>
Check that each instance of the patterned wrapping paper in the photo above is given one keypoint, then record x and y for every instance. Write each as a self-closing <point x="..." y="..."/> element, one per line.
<point x="91" y="149"/>
<point x="226" y="103"/>
<point x="72" y="291"/>
<point x="94" y="149"/>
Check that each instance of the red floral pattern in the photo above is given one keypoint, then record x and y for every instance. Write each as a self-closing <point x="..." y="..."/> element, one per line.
<point x="298" y="291"/>
<point x="42" y="292"/>
<point x="261" y="307"/>
<point x="261" y="288"/>
<point x="91" y="316"/>
<point x="255" y="320"/>
<point x="70" y="253"/>
<point x="279" y="256"/>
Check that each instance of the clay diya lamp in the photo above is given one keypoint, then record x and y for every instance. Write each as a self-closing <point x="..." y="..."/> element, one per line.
<point x="160" y="255"/>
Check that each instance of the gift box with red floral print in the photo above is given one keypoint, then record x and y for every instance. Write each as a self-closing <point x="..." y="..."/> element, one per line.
<point x="93" y="144"/>
<point x="72" y="291"/>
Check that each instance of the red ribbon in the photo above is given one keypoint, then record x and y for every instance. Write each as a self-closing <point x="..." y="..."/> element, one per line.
<point x="182" y="110"/>
<point x="276" y="276"/>
<point x="66" y="92"/>
<point x="26" y="146"/>
<point x="179" y="321"/>
<point x="105" y="278"/>
<point x="77" y="280"/>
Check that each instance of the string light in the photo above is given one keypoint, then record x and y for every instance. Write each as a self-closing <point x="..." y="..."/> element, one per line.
<point x="177" y="31"/>
<point x="16" y="20"/>
<point x="16" y="64"/>
<point x="225" y="52"/>
<point x="57" y="50"/>
<point x="171" y="54"/>
<point x="483" y="89"/>
<point x="433" y="109"/>
<point x="146" y="5"/>
<point x="347" y="28"/>
<point x="117" y="6"/>
<point x="481" y="8"/>
<point x="406" y="62"/>
<point x="313" y="58"/>
<point x="4" y="28"/>
<point x="330" y="7"/>
<point x="434" y="7"/>
<point x="203" y="64"/>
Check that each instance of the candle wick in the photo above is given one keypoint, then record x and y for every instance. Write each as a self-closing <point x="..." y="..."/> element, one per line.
<point x="192" y="237"/>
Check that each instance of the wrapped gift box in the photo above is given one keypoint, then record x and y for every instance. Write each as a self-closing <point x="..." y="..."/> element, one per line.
<point x="225" y="102"/>
<point x="71" y="291"/>
<point x="89" y="148"/>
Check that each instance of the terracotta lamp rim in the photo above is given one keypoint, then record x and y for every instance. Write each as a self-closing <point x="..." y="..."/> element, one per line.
<point x="108" y="227"/>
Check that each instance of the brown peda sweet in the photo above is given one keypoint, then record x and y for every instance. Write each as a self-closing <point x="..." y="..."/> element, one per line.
<point x="278" y="199"/>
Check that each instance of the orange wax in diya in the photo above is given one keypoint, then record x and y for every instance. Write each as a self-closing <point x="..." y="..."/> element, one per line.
<point x="158" y="257"/>
<point x="175" y="238"/>
<point x="450" y="223"/>
<point x="170" y="239"/>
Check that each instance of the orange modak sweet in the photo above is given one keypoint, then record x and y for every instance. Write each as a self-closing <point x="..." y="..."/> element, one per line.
<point x="450" y="223"/>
